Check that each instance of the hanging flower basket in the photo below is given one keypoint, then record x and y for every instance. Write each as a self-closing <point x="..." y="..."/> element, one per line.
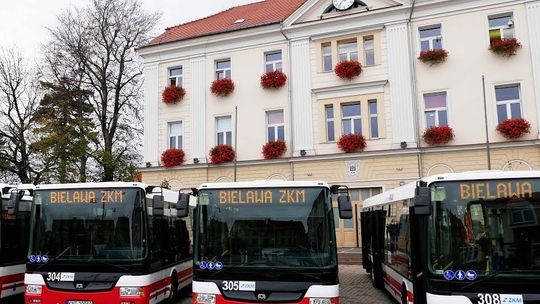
<point x="438" y="135"/>
<point x="274" y="149"/>
<point x="273" y="80"/>
<point x="221" y="154"/>
<point x="172" y="158"/>
<point x="173" y="94"/>
<point x="348" y="69"/>
<point x="352" y="143"/>
<point x="432" y="57"/>
<point x="507" y="47"/>
<point x="514" y="128"/>
<point x="222" y="87"/>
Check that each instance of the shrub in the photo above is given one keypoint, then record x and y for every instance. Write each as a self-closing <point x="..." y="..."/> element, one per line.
<point x="352" y="143"/>
<point x="514" y="128"/>
<point x="348" y="69"/>
<point x="173" y="94"/>
<point x="222" y="87"/>
<point x="221" y="154"/>
<point x="172" y="158"/>
<point x="432" y="57"/>
<point x="273" y="80"/>
<point x="438" y="135"/>
<point x="505" y="47"/>
<point x="274" y="149"/>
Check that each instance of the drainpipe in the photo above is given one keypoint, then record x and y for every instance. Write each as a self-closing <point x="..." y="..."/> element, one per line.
<point x="289" y="96"/>
<point x="414" y="90"/>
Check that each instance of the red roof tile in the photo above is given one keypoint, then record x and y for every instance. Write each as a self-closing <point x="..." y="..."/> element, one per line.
<point x="254" y="14"/>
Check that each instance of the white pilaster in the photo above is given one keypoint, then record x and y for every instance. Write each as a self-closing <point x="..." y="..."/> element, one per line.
<point x="533" y="17"/>
<point x="151" y="114"/>
<point x="198" y="108"/>
<point x="400" y="82"/>
<point x="301" y="97"/>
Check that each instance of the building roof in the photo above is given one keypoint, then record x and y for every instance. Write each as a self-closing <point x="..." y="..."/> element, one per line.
<point x="233" y="19"/>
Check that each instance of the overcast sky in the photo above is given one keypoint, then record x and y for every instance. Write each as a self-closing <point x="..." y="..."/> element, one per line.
<point x="23" y="22"/>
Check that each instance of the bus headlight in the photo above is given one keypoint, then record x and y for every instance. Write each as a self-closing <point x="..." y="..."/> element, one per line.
<point x="323" y="301"/>
<point x="33" y="289"/>
<point x="205" y="298"/>
<point x="131" y="291"/>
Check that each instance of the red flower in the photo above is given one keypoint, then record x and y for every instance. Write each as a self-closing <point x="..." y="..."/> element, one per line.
<point x="221" y="154"/>
<point x="433" y="56"/>
<point x="273" y="80"/>
<point x="352" y="143"/>
<point x="438" y="135"/>
<point x="505" y="47"/>
<point x="173" y="94"/>
<point x="274" y="149"/>
<point x="222" y="87"/>
<point x="172" y="158"/>
<point x="514" y="128"/>
<point x="348" y="69"/>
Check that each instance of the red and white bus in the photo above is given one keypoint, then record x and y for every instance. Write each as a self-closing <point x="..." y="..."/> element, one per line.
<point x="267" y="241"/>
<point x="107" y="243"/>
<point x="459" y="238"/>
<point x="14" y="227"/>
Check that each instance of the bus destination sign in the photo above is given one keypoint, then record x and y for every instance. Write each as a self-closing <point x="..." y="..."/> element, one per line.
<point x="86" y="196"/>
<point x="274" y="196"/>
<point x="496" y="189"/>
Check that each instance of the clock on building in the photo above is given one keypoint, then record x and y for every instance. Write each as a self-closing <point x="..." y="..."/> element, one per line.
<point x="343" y="4"/>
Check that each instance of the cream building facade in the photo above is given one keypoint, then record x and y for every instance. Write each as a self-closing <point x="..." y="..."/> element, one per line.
<point x="390" y="103"/>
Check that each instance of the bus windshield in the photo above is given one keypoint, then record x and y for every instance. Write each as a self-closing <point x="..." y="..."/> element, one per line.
<point x="88" y="224"/>
<point x="289" y="227"/>
<point x="490" y="227"/>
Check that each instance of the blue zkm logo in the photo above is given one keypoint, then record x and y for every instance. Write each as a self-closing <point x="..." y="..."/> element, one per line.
<point x="471" y="275"/>
<point x="449" y="275"/>
<point x="219" y="265"/>
<point x="460" y="275"/>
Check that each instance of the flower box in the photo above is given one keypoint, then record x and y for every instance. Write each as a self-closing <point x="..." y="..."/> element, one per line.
<point x="438" y="135"/>
<point x="172" y="158"/>
<point x="222" y="87"/>
<point x="222" y="154"/>
<point x="432" y="57"/>
<point x="348" y="69"/>
<point x="352" y="143"/>
<point x="507" y="47"/>
<point x="173" y="94"/>
<point x="273" y="80"/>
<point x="514" y="128"/>
<point x="274" y="149"/>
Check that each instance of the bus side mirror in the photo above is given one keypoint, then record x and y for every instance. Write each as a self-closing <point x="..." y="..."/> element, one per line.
<point x="157" y="208"/>
<point x="345" y="207"/>
<point x="13" y="202"/>
<point x="422" y="201"/>
<point x="182" y="206"/>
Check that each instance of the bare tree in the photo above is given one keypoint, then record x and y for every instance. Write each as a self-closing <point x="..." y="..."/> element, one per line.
<point x="18" y="101"/>
<point x="100" y="40"/>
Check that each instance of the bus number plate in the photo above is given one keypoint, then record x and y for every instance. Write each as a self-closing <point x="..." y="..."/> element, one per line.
<point x="487" y="298"/>
<point x="238" y="286"/>
<point x="61" y="276"/>
<point x="79" y="302"/>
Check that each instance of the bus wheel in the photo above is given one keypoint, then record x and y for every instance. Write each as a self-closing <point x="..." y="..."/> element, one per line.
<point x="173" y="295"/>
<point x="404" y="295"/>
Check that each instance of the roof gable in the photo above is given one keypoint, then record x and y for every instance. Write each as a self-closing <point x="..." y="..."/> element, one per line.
<point x="236" y="18"/>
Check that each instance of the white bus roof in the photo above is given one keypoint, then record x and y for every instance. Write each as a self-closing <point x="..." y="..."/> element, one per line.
<point x="264" y="184"/>
<point x="407" y="191"/>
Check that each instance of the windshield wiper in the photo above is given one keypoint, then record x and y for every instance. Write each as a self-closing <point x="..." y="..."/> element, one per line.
<point x="482" y="279"/>
<point x="55" y="258"/>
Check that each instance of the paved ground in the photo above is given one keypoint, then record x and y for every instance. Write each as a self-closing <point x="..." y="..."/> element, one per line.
<point x="355" y="288"/>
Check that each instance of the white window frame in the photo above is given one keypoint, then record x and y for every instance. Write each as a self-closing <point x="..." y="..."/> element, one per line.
<point x="329" y="54"/>
<point x="372" y="38"/>
<point x="179" y="137"/>
<point x="179" y="79"/>
<point x="274" y="63"/>
<point x="276" y="125"/>
<point x="348" y="54"/>
<point x="436" y="110"/>
<point x="222" y="70"/>
<point x="330" y="120"/>
<point x="376" y="116"/>
<point x="501" y="28"/>
<point x="350" y="118"/>
<point x="509" y="102"/>
<point x="430" y="39"/>
<point x="217" y="132"/>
